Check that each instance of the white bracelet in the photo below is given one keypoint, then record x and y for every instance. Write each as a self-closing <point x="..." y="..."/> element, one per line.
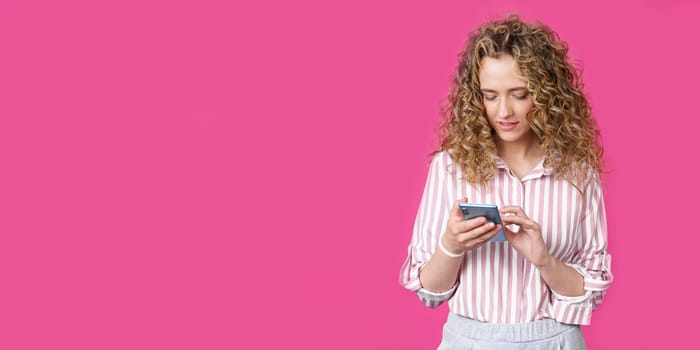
<point x="447" y="252"/>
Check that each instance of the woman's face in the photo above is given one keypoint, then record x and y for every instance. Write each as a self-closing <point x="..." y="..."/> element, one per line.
<point x="506" y="99"/>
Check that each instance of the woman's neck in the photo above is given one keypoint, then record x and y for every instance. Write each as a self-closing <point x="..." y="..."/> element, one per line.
<point x="521" y="156"/>
<point x="527" y="148"/>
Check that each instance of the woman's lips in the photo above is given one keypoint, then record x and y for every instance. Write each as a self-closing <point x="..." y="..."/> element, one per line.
<point x="507" y="126"/>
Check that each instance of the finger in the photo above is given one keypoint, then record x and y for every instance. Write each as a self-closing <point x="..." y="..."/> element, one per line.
<point x="483" y="238"/>
<point x="489" y="234"/>
<point x="510" y="235"/>
<point x="468" y="225"/>
<point x="513" y="210"/>
<point x="455" y="212"/>
<point x="518" y="220"/>
<point x="478" y="231"/>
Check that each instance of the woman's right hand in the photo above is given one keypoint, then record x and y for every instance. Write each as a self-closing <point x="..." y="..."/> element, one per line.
<point x="462" y="235"/>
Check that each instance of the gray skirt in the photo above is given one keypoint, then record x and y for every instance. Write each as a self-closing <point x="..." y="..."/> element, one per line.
<point x="461" y="333"/>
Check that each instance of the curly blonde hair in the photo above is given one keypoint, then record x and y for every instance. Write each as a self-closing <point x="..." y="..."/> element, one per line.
<point x="560" y="116"/>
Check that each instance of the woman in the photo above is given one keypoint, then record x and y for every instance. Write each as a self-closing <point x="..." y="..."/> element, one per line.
<point x="517" y="133"/>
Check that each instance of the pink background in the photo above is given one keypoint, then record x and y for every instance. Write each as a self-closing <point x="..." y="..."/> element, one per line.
<point x="209" y="175"/>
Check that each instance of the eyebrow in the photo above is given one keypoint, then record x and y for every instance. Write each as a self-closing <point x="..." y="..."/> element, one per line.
<point x="509" y="90"/>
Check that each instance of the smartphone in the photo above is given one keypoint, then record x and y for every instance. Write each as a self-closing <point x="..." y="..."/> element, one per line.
<point x="489" y="211"/>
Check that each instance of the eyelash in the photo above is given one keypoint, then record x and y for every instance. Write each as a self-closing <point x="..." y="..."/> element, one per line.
<point x="517" y="97"/>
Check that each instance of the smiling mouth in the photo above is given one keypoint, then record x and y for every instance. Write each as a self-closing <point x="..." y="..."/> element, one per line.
<point x="507" y="125"/>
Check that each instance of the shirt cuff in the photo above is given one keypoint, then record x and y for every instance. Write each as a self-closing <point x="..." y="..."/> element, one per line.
<point x="434" y="299"/>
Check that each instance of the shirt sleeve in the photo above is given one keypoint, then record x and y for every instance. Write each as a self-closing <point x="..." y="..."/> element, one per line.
<point x="431" y="220"/>
<point x="433" y="299"/>
<point x="591" y="260"/>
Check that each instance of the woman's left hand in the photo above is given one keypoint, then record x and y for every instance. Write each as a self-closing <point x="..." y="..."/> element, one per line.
<point x="528" y="241"/>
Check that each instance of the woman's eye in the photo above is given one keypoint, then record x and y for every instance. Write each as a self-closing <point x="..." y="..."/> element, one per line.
<point x="489" y="98"/>
<point x="520" y="97"/>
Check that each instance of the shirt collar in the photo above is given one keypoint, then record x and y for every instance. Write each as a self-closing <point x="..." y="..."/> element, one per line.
<point x="538" y="171"/>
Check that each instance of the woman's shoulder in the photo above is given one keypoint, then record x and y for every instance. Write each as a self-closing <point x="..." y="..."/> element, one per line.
<point x="441" y="155"/>
<point x="441" y="159"/>
<point x="442" y="163"/>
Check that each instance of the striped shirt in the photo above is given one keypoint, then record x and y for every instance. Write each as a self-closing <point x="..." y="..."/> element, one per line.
<point x="496" y="284"/>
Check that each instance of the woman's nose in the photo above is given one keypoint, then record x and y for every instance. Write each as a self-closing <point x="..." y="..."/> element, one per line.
<point x="504" y="109"/>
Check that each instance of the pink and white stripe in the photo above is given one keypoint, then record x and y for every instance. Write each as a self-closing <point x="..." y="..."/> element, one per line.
<point x="496" y="284"/>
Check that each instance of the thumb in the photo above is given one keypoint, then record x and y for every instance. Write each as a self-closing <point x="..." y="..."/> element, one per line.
<point x="455" y="211"/>
<point x="510" y="235"/>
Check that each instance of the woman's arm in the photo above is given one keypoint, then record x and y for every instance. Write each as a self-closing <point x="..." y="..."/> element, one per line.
<point x="561" y="278"/>
<point x="441" y="271"/>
